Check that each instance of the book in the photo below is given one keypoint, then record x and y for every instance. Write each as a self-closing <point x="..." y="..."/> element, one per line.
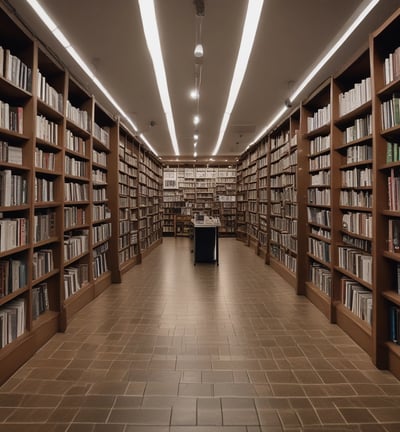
<point x="394" y="236"/>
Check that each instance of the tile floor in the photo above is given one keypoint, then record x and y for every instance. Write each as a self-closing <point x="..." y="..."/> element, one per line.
<point x="205" y="348"/>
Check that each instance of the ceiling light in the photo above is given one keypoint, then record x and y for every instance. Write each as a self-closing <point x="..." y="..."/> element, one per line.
<point x="198" y="50"/>
<point x="194" y="94"/>
<point x="195" y="144"/>
<point x="150" y="28"/>
<point x="196" y="120"/>
<point x="196" y="136"/>
<point x="195" y="154"/>
<point x="42" y="14"/>
<point x="253" y="14"/>
<point x="354" y="24"/>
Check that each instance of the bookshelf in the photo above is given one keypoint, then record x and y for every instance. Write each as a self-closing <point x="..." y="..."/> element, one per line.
<point x="149" y="202"/>
<point x="315" y="204"/>
<point x="353" y="209"/>
<point x="263" y="198"/>
<point x="124" y="203"/>
<point x="384" y="45"/>
<point x="284" y="207"/>
<point x="60" y="157"/>
<point x="101" y="210"/>
<point x="190" y="189"/>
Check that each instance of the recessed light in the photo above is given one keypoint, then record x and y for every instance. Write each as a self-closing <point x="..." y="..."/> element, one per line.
<point x="194" y="94"/>
<point x="196" y="120"/>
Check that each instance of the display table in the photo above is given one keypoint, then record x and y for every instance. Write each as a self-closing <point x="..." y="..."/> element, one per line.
<point x="205" y="237"/>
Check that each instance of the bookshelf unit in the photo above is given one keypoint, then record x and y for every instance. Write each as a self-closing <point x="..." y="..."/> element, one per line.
<point x="284" y="209"/>
<point x="190" y="189"/>
<point x="315" y="202"/>
<point x="352" y="209"/>
<point x="149" y="202"/>
<point x="241" y="199"/>
<point x="101" y="211"/>
<point x="78" y="269"/>
<point x="384" y="46"/>
<point x="26" y="224"/>
<point x="48" y="161"/>
<point x="263" y="199"/>
<point x="60" y="153"/>
<point x="124" y="203"/>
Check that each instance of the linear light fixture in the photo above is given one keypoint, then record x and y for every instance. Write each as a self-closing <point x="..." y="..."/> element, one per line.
<point x="150" y="28"/>
<point x="59" y="35"/>
<point x="354" y="24"/>
<point x="252" y="19"/>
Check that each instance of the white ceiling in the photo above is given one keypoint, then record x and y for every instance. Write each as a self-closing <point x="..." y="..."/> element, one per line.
<point x="292" y="36"/>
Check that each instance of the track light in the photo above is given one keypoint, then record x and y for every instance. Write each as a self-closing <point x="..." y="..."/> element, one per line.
<point x="198" y="50"/>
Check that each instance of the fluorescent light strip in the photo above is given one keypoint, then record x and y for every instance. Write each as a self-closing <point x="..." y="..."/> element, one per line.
<point x="150" y="29"/>
<point x="66" y="44"/>
<point x="253" y="14"/>
<point x="320" y="65"/>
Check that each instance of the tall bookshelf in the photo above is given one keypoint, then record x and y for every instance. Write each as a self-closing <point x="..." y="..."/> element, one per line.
<point x="384" y="46"/>
<point x="284" y="208"/>
<point x="101" y="210"/>
<point x="264" y="192"/>
<point x="149" y="202"/>
<point x="125" y="203"/>
<point x="315" y="201"/>
<point x="60" y="154"/>
<point x="189" y="189"/>
<point x="352" y="200"/>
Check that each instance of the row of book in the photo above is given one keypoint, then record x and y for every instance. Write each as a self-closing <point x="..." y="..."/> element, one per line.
<point x="10" y="153"/>
<point x="75" y="167"/>
<point x="356" y="198"/>
<point x="78" y="116"/>
<point x="44" y="159"/>
<point x="391" y="67"/>
<point x="44" y="225"/>
<point x="74" y="216"/>
<point x="321" y="277"/>
<point x="13" y="189"/>
<point x="11" y="117"/>
<point x="357" y="177"/>
<point x="359" y="223"/>
<point x="76" y="244"/>
<point x="100" y="260"/>
<point x="46" y="130"/>
<point x="394" y="189"/>
<point x="361" y="128"/>
<point x="102" y="134"/>
<point x="42" y="263"/>
<point x="13" y="275"/>
<point x="390" y="111"/>
<point x="355" y="97"/>
<point x="40" y="300"/>
<point x="15" y="70"/>
<point x="75" y="143"/>
<point x="48" y="94"/>
<point x="357" y="298"/>
<point x="356" y="262"/>
<point x="394" y="235"/>
<point x="392" y="152"/>
<point x="76" y="191"/>
<point x="44" y="189"/>
<point x="74" y="278"/>
<point x="13" y="233"/>
<point x="358" y="153"/>
<point x="12" y="321"/>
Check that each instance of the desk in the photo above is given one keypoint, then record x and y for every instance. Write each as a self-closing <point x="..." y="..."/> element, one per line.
<point x="205" y="236"/>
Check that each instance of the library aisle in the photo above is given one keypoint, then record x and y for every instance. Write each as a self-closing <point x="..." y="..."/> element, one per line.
<point x="182" y="348"/>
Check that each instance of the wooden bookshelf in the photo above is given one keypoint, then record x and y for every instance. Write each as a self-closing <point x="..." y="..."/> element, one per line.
<point x="384" y="45"/>
<point x="60" y="155"/>
<point x="284" y="207"/>
<point x="189" y="189"/>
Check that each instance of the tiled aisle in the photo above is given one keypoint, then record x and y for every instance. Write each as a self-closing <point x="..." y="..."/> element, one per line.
<point x="185" y="348"/>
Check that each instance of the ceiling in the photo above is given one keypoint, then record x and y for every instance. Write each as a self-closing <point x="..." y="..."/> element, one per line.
<point x="292" y="36"/>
